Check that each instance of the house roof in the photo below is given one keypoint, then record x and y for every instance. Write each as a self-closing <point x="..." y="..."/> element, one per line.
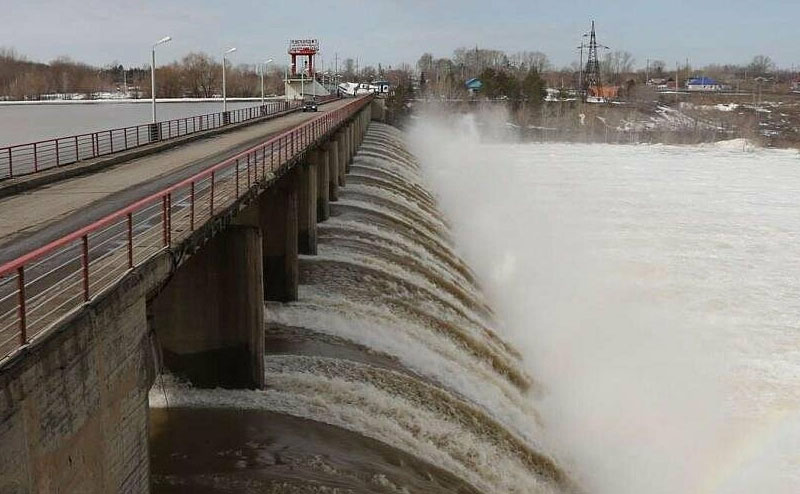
<point x="474" y="83"/>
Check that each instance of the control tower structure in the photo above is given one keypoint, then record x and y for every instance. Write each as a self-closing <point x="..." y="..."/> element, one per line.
<point x="303" y="48"/>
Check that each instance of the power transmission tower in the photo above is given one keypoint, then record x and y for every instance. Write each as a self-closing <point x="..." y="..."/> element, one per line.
<point x="591" y="79"/>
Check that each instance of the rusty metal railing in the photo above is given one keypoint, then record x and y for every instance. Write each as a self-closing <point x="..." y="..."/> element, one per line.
<point x="41" y="287"/>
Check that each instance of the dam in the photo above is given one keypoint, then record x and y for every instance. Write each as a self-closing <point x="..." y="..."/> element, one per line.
<point x="292" y="318"/>
<point x="389" y="353"/>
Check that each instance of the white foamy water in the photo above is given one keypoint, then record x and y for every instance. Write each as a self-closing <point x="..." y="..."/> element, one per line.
<point x="654" y="290"/>
<point x="391" y="339"/>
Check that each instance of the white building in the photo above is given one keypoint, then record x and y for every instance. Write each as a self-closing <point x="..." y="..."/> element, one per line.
<point x="703" y="84"/>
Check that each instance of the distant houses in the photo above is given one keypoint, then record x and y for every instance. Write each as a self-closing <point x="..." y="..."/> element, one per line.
<point x="796" y="86"/>
<point x="662" y="84"/>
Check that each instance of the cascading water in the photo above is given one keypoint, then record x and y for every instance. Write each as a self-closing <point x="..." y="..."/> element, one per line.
<point x="387" y="375"/>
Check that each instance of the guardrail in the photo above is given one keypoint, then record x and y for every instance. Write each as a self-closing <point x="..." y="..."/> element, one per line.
<point x="24" y="159"/>
<point x="41" y="287"/>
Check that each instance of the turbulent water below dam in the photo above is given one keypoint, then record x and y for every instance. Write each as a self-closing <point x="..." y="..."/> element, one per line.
<point x="489" y="316"/>
<point x="388" y="374"/>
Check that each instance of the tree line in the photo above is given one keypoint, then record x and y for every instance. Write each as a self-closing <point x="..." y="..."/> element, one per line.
<point x="197" y="75"/>
<point x="516" y="77"/>
<point x="503" y="74"/>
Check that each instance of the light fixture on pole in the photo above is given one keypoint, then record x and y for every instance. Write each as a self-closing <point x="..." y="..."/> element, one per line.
<point x="302" y="82"/>
<point x="263" y="69"/>
<point x="153" y="72"/>
<point x="224" y="95"/>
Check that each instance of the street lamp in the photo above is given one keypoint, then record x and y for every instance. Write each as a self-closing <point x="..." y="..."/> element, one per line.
<point x="153" y="72"/>
<point x="580" y="65"/>
<point x="302" y="82"/>
<point x="263" y="69"/>
<point x="224" y="95"/>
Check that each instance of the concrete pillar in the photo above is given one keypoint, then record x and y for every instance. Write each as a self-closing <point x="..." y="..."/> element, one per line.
<point x="341" y="144"/>
<point x="323" y="187"/>
<point x="378" y="110"/>
<point x="333" y="169"/>
<point x="277" y="211"/>
<point x="209" y="317"/>
<point x="307" y="207"/>
<point x="351" y="145"/>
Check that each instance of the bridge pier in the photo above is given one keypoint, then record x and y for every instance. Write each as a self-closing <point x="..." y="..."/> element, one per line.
<point x="320" y="157"/>
<point x="307" y="203"/>
<point x="351" y="137"/>
<point x="333" y="167"/>
<point x="277" y="218"/>
<point x="209" y="316"/>
<point x="341" y="143"/>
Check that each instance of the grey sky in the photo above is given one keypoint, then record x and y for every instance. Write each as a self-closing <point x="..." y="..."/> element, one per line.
<point x="395" y="31"/>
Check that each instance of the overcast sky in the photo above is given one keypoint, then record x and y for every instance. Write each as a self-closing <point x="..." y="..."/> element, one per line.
<point x="395" y="31"/>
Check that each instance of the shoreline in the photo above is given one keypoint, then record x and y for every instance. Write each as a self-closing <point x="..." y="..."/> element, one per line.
<point x="134" y="101"/>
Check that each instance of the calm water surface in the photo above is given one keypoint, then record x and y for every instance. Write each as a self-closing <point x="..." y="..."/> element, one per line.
<point x="21" y="124"/>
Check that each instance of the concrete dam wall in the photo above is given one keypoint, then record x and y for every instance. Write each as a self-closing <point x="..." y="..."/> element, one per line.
<point x="385" y="375"/>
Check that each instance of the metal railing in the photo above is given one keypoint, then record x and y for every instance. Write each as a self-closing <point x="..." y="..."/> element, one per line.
<point x="24" y="159"/>
<point x="41" y="287"/>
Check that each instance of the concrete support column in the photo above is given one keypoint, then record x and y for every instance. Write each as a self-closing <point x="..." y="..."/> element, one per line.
<point x="278" y="212"/>
<point x="333" y="169"/>
<point x="378" y="110"/>
<point x="209" y="317"/>
<point x="351" y="144"/>
<point x="307" y="204"/>
<point x="320" y="158"/>
<point x="341" y="144"/>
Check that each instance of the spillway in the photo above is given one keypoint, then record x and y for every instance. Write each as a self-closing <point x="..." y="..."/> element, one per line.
<point x="387" y="375"/>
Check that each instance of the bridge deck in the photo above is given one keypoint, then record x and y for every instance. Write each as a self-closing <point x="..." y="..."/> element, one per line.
<point x="33" y="219"/>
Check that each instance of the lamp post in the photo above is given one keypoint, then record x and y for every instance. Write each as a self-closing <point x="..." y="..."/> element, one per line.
<point x="580" y="64"/>
<point x="263" y="69"/>
<point x="153" y="72"/>
<point x="224" y="95"/>
<point x="302" y="83"/>
<point x="286" y="84"/>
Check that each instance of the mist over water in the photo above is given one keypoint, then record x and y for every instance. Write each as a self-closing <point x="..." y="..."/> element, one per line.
<point x="654" y="291"/>
<point x="390" y="355"/>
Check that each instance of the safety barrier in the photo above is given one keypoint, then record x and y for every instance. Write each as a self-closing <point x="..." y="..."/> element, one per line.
<point x="24" y="159"/>
<point x="41" y="287"/>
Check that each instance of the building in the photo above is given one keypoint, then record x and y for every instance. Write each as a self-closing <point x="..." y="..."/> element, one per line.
<point x="703" y="84"/>
<point x="796" y="86"/>
<point x="602" y="94"/>
<point x="473" y="85"/>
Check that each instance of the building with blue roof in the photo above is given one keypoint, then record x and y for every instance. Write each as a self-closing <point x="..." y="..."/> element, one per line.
<point x="703" y="84"/>
<point x="474" y="85"/>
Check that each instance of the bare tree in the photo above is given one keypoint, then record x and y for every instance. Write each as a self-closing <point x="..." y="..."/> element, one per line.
<point x="761" y="65"/>
<point x="531" y="60"/>
<point x="615" y="64"/>
<point x="201" y="75"/>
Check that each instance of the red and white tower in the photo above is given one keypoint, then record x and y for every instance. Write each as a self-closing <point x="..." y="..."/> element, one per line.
<point x="303" y="48"/>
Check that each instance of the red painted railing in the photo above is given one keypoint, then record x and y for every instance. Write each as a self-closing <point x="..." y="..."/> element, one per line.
<point x="41" y="287"/>
<point x="24" y="159"/>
